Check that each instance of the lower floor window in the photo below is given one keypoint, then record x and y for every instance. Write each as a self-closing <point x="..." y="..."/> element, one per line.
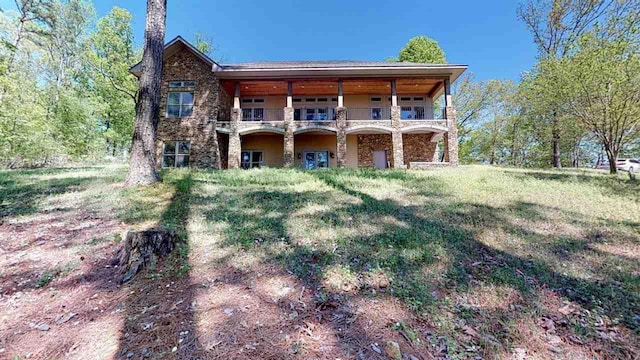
<point x="251" y="159"/>
<point x="176" y="154"/>
<point x="316" y="159"/>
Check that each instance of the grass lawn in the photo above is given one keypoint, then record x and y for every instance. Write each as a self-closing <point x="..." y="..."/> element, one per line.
<point x="473" y="262"/>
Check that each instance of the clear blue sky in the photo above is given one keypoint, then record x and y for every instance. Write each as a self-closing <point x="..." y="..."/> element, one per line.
<point x="486" y="35"/>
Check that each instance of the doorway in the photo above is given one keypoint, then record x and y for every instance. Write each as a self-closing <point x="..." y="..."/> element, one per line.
<point x="316" y="159"/>
<point x="380" y="159"/>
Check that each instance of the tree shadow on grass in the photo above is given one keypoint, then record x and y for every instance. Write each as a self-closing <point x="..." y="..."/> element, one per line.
<point x="159" y="308"/>
<point x="407" y="243"/>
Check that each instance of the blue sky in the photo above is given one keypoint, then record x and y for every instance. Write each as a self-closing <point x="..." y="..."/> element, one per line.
<point x="486" y="35"/>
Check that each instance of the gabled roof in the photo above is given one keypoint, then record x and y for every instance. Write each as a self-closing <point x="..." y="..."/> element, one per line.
<point x="171" y="48"/>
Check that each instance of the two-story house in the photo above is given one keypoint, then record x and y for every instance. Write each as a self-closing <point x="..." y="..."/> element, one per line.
<point x="310" y="114"/>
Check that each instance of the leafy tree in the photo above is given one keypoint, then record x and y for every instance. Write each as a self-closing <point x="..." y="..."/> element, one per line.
<point x="601" y="84"/>
<point x="107" y="62"/>
<point x="37" y="18"/>
<point x="422" y="49"/>
<point x="555" y="26"/>
<point x="142" y="168"/>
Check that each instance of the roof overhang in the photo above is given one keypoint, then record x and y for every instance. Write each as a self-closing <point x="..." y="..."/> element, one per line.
<point x="171" y="48"/>
<point x="439" y="71"/>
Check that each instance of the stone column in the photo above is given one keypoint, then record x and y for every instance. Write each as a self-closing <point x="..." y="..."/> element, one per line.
<point x="341" y="142"/>
<point x="289" y="145"/>
<point x="451" y="138"/>
<point x="396" y="137"/>
<point x="235" y="147"/>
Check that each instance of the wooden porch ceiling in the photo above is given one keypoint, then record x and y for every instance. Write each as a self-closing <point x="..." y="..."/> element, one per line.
<point x="330" y="87"/>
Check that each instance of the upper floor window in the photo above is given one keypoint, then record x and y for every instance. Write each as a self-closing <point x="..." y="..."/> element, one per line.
<point x="180" y="103"/>
<point x="181" y="84"/>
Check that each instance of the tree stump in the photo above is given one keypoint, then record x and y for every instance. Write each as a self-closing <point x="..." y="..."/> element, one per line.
<point x="142" y="248"/>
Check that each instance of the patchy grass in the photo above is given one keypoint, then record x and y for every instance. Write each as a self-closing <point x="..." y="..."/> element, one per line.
<point x="457" y="263"/>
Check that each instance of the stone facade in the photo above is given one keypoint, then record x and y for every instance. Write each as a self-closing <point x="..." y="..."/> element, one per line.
<point x="396" y="136"/>
<point x="210" y="100"/>
<point x="341" y="146"/>
<point x="235" y="146"/>
<point x="289" y="146"/>
<point x="451" y="138"/>
<point x="369" y="143"/>
<point x="418" y="148"/>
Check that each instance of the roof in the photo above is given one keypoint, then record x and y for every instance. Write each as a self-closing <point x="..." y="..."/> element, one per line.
<point x="328" y="64"/>
<point x="170" y="48"/>
<point x="314" y="69"/>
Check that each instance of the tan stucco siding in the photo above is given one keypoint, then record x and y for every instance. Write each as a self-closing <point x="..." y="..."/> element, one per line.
<point x="309" y="142"/>
<point x="272" y="147"/>
<point x="352" y="151"/>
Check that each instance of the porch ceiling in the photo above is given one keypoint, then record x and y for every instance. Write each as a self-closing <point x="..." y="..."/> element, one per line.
<point x="329" y="87"/>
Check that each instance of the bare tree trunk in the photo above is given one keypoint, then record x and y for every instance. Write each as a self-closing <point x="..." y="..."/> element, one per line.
<point x="612" y="157"/>
<point x="142" y="168"/>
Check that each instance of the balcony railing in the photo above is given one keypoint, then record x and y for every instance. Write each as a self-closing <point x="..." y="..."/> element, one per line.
<point x="261" y="114"/>
<point x="373" y="113"/>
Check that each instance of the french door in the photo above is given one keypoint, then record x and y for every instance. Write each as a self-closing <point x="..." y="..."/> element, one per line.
<point x="316" y="159"/>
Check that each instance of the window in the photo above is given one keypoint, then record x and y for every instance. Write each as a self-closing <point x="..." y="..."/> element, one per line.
<point x="297" y="114"/>
<point x="176" y="154"/>
<point x="406" y="113"/>
<point x="405" y="99"/>
<point x="418" y="98"/>
<point x="310" y="100"/>
<point x="376" y="99"/>
<point x="316" y="159"/>
<point x="315" y="114"/>
<point x="251" y="159"/>
<point x="181" y="84"/>
<point x="297" y="100"/>
<point x="180" y="104"/>
<point x="252" y="114"/>
<point x="418" y="112"/>
<point x="376" y="113"/>
<point x="323" y="99"/>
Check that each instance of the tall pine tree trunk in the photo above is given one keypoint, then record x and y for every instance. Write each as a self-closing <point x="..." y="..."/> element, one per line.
<point x="142" y="167"/>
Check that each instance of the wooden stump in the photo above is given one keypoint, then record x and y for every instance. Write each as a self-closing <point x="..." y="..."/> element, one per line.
<point x="142" y="248"/>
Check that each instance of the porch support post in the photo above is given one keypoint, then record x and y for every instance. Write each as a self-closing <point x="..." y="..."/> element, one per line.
<point x="236" y="96"/>
<point x="235" y="146"/>
<point x="396" y="138"/>
<point x="341" y="141"/>
<point x="340" y="95"/>
<point x="396" y="134"/>
<point x="451" y="137"/>
<point x="289" y="125"/>
<point x="394" y="94"/>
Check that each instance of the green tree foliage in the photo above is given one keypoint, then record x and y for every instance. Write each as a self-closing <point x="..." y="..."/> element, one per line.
<point x="108" y="61"/>
<point x="422" y="49"/>
<point x="65" y="90"/>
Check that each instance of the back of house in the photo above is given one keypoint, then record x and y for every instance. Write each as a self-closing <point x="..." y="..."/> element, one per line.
<point x="310" y="114"/>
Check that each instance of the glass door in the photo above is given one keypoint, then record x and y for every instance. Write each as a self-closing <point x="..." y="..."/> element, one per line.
<point x="316" y="159"/>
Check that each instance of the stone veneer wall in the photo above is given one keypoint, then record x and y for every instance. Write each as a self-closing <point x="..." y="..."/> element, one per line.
<point x="418" y="147"/>
<point x="369" y="143"/>
<point x="211" y="102"/>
